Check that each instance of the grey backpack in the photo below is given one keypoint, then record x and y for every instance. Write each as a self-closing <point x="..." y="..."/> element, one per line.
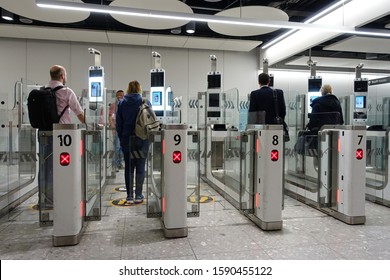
<point x="146" y="120"/>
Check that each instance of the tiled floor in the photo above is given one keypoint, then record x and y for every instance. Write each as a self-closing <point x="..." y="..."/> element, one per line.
<point x="220" y="232"/>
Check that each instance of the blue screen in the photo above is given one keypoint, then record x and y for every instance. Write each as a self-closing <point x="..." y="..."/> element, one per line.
<point x="156" y="98"/>
<point x="360" y="102"/>
<point x="95" y="89"/>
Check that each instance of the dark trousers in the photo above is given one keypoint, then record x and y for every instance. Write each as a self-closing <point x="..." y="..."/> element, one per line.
<point x="135" y="160"/>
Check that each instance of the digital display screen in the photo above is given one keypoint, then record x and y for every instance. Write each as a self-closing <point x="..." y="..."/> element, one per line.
<point x="157" y="79"/>
<point x="159" y="113"/>
<point x="360" y="102"/>
<point x="271" y="81"/>
<point x="96" y="73"/>
<point x="360" y="86"/>
<point x="214" y="100"/>
<point x="156" y="98"/>
<point x="96" y="89"/>
<point x="315" y="85"/>
<point x="170" y="99"/>
<point x="310" y="97"/>
<point x="214" y="81"/>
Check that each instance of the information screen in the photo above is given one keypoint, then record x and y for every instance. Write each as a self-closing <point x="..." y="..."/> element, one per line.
<point x="213" y="81"/>
<point x="157" y="79"/>
<point x="310" y="97"/>
<point x="95" y="89"/>
<point x="315" y="85"/>
<point x="360" y="102"/>
<point x="360" y="86"/>
<point x="156" y="98"/>
<point x="214" y="100"/>
<point x="96" y="84"/>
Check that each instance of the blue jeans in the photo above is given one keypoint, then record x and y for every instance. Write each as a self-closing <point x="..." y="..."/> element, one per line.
<point x="45" y="173"/>
<point x="135" y="160"/>
<point x="117" y="158"/>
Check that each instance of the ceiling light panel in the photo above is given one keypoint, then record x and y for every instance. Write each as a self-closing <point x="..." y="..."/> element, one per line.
<point x="248" y="12"/>
<point x="29" y="9"/>
<point x="152" y="23"/>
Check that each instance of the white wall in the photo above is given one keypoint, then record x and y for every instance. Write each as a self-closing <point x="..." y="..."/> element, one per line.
<point x="186" y="69"/>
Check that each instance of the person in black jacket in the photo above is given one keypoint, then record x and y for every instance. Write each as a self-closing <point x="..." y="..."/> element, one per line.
<point x="263" y="100"/>
<point x="326" y="109"/>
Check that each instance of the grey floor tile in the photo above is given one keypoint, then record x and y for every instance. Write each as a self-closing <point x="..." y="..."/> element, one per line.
<point x="258" y="254"/>
<point x="364" y="250"/>
<point x="220" y="239"/>
<point x="303" y="252"/>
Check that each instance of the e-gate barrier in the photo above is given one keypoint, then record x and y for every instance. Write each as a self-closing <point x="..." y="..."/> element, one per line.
<point x="262" y="180"/>
<point x="76" y="181"/>
<point x="337" y="187"/>
<point x="172" y="179"/>
<point x="69" y="194"/>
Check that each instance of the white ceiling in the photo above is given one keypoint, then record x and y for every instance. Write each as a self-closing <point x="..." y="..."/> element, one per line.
<point x="151" y="23"/>
<point x="340" y="63"/>
<point x="125" y="38"/>
<point x="280" y="51"/>
<point x="248" y="12"/>
<point x="29" y="9"/>
<point x="361" y="44"/>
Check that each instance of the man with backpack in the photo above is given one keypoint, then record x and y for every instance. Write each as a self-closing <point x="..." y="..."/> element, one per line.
<point x="65" y="99"/>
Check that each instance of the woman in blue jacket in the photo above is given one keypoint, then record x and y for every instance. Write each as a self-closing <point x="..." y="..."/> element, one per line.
<point x="134" y="149"/>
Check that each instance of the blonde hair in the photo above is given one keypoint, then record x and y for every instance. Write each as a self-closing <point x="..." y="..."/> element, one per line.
<point x="134" y="87"/>
<point x="326" y="89"/>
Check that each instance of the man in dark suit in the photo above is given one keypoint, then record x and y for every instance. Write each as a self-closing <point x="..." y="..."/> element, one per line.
<point x="263" y="100"/>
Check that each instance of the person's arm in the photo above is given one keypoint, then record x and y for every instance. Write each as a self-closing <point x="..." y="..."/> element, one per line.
<point x="75" y="106"/>
<point x="118" y="122"/>
<point x="81" y="117"/>
<point x="252" y="103"/>
<point x="282" y="105"/>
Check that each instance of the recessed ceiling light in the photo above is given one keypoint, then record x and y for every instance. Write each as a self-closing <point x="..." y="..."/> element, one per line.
<point x="7" y="15"/>
<point x="25" y="20"/>
<point x="176" y="30"/>
<point x="190" y="27"/>
<point x="387" y="25"/>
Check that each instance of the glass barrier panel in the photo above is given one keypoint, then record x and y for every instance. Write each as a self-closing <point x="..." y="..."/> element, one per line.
<point x="93" y="146"/>
<point x="201" y="127"/>
<point x="45" y="178"/>
<point x="247" y="154"/>
<point x="7" y="180"/>
<point x="231" y="108"/>
<point x="377" y="166"/>
<point x="193" y="177"/>
<point x="113" y="156"/>
<point x="27" y="158"/>
<point x="153" y="176"/>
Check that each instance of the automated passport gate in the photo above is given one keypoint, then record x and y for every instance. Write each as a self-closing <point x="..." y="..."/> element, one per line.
<point x="342" y="172"/>
<point x="173" y="178"/>
<point x="262" y="179"/>
<point x="69" y="194"/>
<point x="45" y="178"/>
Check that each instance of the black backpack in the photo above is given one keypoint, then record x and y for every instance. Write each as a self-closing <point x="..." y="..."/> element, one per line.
<point x="42" y="108"/>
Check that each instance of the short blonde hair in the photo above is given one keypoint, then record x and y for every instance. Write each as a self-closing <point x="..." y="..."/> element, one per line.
<point x="326" y="89"/>
<point x="134" y="87"/>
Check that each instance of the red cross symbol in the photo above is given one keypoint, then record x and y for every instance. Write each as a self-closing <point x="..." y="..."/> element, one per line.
<point x="64" y="159"/>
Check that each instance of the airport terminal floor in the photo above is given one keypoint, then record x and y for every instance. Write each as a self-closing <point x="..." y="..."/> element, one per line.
<point x="221" y="232"/>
